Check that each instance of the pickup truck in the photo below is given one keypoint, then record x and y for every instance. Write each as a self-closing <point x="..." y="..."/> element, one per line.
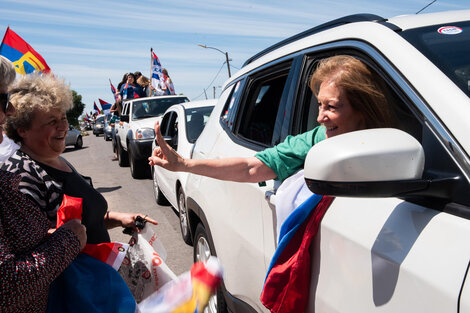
<point x="135" y="132"/>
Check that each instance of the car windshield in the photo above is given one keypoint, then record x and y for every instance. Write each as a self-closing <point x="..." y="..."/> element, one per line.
<point x="448" y="47"/>
<point x="196" y="119"/>
<point x="100" y="120"/>
<point x="154" y="107"/>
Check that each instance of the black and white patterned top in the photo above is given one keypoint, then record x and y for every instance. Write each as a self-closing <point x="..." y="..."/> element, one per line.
<point x="46" y="186"/>
<point x="36" y="183"/>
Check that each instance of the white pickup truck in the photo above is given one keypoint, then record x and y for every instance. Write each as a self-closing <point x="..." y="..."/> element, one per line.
<point x="135" y="132"/>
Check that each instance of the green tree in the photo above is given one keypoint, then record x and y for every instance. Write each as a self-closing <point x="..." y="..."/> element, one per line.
<point x="76" y="110"/>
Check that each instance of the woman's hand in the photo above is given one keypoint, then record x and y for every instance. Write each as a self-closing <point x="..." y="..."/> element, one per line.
<point x="79" y="229"/>
<point x="164" y="155"/>
<point x="115" y="219"/>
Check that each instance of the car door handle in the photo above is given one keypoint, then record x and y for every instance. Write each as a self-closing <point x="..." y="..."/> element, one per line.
<point x="270" y="196"/>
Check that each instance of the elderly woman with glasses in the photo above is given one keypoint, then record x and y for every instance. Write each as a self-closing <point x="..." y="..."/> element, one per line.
<point x="40" y="126"/>
<point x="30" y="257"/>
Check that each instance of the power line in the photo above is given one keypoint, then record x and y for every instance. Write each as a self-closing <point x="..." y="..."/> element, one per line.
<point x="211" y="82"/>
<point x="426" y="6"/>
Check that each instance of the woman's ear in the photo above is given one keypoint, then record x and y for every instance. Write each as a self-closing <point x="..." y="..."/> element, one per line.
<point x="22" y="132"/>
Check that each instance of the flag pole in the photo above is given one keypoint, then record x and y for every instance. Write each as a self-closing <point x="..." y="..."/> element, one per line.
<point x="8" y="27"/>
<point x="150" y="83"/>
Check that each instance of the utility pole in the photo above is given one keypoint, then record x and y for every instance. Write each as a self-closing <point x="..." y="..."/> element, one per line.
<point x="226" y="57"/>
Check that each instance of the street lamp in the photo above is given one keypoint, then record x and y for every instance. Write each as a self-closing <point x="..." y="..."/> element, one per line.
<point x="226" y="56"/>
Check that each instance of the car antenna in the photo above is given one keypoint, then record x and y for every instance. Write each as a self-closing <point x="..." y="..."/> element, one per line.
<point x="426" y="6"/>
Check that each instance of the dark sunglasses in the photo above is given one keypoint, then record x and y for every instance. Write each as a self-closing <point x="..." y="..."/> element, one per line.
<point x="4" y="101"/>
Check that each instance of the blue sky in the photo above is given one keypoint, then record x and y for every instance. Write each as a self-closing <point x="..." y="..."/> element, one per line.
<point x="88" y="42"/>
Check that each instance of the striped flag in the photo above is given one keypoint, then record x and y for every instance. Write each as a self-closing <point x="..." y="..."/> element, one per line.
<point x="157" y="79"/>
<point x="106" y="106"/>
<point x="25" y="59"/>
<point x="96" y="109"/>
<point x="114" y="91"/>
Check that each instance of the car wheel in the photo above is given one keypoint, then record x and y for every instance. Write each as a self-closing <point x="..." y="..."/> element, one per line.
<point x="202" y="251"/>
<point x="79" y="143"/>
<point x="184" y="220"/>
<point x="138" y="168"/>
<point x="159" y="196"/>
<point x="123" y="159"/>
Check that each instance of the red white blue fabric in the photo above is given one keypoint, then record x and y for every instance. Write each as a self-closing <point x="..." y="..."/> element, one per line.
<point x="287" y="282"/>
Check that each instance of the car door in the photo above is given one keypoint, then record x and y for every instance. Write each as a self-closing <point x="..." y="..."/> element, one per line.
<point x="167" y="179"/>
<point x="406" y="254"/>
<point x="124" y="126"/>
<point x="240" y="215"/>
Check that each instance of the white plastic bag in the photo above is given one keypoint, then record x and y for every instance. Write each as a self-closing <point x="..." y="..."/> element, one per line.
<point x="144" y="269"/>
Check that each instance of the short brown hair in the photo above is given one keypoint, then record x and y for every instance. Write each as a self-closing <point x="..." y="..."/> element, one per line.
<point x="36" y="92"/>
<point x="363" y="88"/>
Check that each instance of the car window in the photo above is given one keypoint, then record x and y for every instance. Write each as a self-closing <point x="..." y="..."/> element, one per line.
<point x="196" y="119"/>
<point x="439" y="163"/>
<point x="228" y="111"/>
<point x="125" y="110"/>
<point x="448" y="47"/>
<point x="164" y="123"/>
<point x="260" y="108"/>
<point x="154" y="107"/>
<point x="172" y="131"/>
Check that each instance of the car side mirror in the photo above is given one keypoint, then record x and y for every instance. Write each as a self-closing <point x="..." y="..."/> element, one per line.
<point x="124" y="118"/>
<point x="381" y="162"/>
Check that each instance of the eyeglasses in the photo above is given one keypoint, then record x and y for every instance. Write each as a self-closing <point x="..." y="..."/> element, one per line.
<point x="5" y="101"/>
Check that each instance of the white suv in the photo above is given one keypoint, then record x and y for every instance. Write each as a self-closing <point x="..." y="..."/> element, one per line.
<point x="378" y="249"/>
<point x="135" y="133"/>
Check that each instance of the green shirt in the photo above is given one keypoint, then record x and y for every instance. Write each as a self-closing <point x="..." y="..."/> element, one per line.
<point x="289" y="156"/>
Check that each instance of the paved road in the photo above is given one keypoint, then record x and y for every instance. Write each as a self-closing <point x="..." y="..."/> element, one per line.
<point x="126" y="194"/>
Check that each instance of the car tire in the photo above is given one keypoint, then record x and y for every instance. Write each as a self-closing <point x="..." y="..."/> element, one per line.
<point x="138" y="167"/>
<point x="79" y="143"/>
<point x="202" y="250"/>
<point x="123" y="159"/>
<point x="159" y="196"/>
<point x="184" y="218"/>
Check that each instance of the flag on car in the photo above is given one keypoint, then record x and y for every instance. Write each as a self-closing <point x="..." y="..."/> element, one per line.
<point x="286" y="287"/>
<point x="95" y="107"/>
<point x="25" y="59"/>
<point x="105" y="106"/>
<point x="157" y="79"/>
<point x="114" y="91"/>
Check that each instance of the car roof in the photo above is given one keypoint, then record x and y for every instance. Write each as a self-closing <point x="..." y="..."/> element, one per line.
<point x="318" y="35"/>
<point x="195" y="104"/>
<point x="157" y="97"/>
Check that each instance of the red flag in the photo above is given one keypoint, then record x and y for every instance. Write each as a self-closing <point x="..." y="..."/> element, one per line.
<point x="25" y="59"/>
<point x="113" y="90"/>
<point x="95" y="107"/>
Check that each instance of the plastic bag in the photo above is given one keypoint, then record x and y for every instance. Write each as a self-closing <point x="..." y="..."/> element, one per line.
<point x="144" y="269"/>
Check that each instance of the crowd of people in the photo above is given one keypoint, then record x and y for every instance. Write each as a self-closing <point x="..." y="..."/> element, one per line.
<point x="136" y="85"/>
<point x="36" y="177"/>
